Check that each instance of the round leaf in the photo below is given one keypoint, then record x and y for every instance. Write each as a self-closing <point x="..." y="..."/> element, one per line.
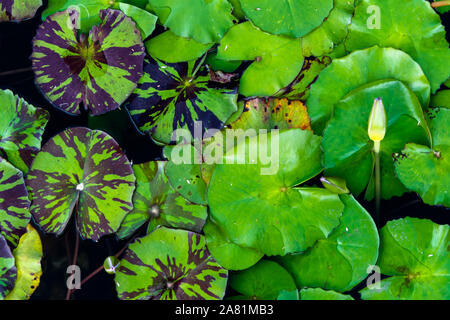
<point x="414" y="28"/>
<point x="156" y="201"/>
<point x="360" y="68"/>
<point x="100" y="71"/>
<point x="171" y="48"/>
<point x="18" y="10"/>
<point x="303" y="215"/>
<point x="320" y="294"/>
<point x="14" y="203"/>
<point x="278" y="59"/>
<point x="21" y="129"/>
<point x="8" y="271"/>
<point x="263" y="281"/>
<point x="348" y="148"/>
<point x="84" y="171"/>
<point x="145" y="21"/>
<point x="170" y="264"/>
<point x="204" y="21"/>
<point x="414" y="253"/>
<point x="340" y="261"/>
<point x="28" y="255"/>
<point x="287" y="17"/>
<point x="171" y="97"/>
<point x="425" y="170"/>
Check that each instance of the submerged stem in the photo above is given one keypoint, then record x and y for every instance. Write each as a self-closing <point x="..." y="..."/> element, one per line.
<point x="74" y="260"/>
<point x="376" y="149"/>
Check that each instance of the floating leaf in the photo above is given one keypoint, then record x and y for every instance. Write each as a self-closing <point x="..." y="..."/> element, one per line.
<point x="28" y="255"/>
<point x="277" y="59"/>
<point x="145" y="21"/>
<point x="264" y="281"/>
<point x="320" y="294"/>
<point x="273" y="114"/>
<point x="227" y="253"/>
<point x="414" y="253"/>
<point x="14" y="203"/>
<point x="21" y="129"/>
<point x="260" y="188"/>
<point x="172" y="96"/>
<point x="203" y="21"/>
<point x="221" y="65"/>
<point x="170" y="264"/>
<point x="18" y="10"/>
<point x="171" y="48"/>
<point x="441" y="99"/>
<point x="360" y="68"/>
<point x="425" y="170"/>
<point x="414" y="28"/>
<point x="340" y="261"/>
<point x="288" y="295"/>
<point x="293" y="18"/>
<point x="8" y="271"/>
<point x="100" y="71"/>
<point x="156" y="201"/>
<point x="332" y="32"/>
<point x="84" y="171"/>
<point x="346" y="144"/>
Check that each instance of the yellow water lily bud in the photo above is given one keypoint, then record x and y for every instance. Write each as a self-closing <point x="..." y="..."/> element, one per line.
<point x="377" y="121"/>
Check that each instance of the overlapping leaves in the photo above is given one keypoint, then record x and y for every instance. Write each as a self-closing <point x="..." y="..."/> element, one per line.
<point x="176" y="96"/>
<point x="155" y="200"/>
<point x="100" y="70"/>
<point x="18" y="10"/>
<point x="8" y="271"/>
<point x="83" y="171"/>
<point x="170" y="264"/>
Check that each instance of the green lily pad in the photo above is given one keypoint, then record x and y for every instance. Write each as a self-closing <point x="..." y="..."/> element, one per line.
<point x="84" y="171"/>
<point x="360" y="68"/>
<point x="293" y="18"/>
<point x="425" y="170"/>
<point x="228" y="254"/>
<point x="8" y="270"/>
<point x="320" y="294"/>
<point x="262" y="188"/>
<point x="277" y="59"/>
<point x="348" y="148"/>
<point x="14" y="203"/>
<point x="237" y="9"/>
<point x="340" y="261"/>
<point x="21" y="129"/>
<point x="441" y="99"/>
<point x="415" y="29"/>
<point x="100" y="70"/>
<point x="264" y="281"/>
<point x="155" y="200"/>
<point x="18" y="10"/>
<point x="171" y="48"/>
<point x="170" y="264"/>
<point x="203" y="21"/>
<point x="332" y="32"/>
<point x="414" y="253"/>
<point x="145" y="21"/>
<point x="172" y="96"/>
<point x="288" y="295"/>
<point x="27" y="255"/>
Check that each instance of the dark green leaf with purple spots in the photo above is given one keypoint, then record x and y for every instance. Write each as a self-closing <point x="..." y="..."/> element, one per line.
<point x="8" y="271"/>
<point x="99" y="71"/>
<point x="21" y="129"/>
<point x="18" y="10"/>
<point x="84" y="171"/>
<point x="14" y="203"/>
<point x="172" y="96"/>
<point x="155" y="200"/>
<point x="170" y="264"/>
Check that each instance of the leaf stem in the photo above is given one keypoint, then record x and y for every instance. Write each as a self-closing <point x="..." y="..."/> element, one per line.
<point x="376" y="149"/>
<point x="438" y="4"/>
<point x="74" y="261"/>
<point x="11" y="72"/>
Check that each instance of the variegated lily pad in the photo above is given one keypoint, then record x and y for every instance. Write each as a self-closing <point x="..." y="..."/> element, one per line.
<point x="14" y="203"/>
<point x="173" y="96"/>
<point x="8" y="271"/>
<point x="156" y="201"/>
<point x="18" y="10"/>
<point x="21" y="129"/>
<point x="100" y="70"/>
<point x="84" y="171"/>
<point x="170" y="264"/>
